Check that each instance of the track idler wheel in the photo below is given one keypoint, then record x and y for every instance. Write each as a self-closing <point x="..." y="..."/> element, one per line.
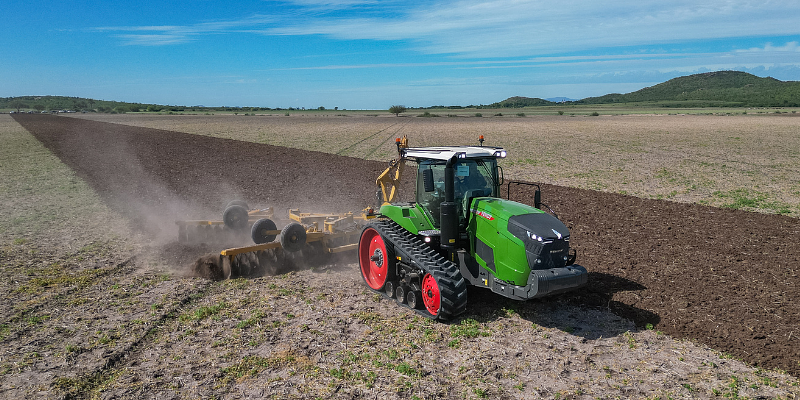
<point x="388" y="288"/>
<point x="376" y="259"/>
<point x="400" y="294"/>
<point x="431" y="296"/>
<point x="235" y="217"/>
<point x="259" y="232"/>
<point x="293" y="237"/>
<point x="414" y="299"/>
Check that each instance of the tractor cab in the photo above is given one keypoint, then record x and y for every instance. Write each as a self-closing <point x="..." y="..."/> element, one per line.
<point x="449" y="178"/>
<point x="473" y="178"/>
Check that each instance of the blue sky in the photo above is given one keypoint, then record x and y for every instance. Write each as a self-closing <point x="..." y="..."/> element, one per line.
<point x="361" y="54"/>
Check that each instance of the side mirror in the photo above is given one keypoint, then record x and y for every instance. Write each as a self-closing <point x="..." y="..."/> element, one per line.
<point x="501" y="179"/>
<point x="427" y="179"/>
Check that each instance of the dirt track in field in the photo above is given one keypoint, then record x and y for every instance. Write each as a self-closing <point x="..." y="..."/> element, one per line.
<point x="728" y="279"/>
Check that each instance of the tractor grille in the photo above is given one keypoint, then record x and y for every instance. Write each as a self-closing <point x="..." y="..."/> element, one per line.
<point x="543" y="247"/>
<point x="546" y="254"/>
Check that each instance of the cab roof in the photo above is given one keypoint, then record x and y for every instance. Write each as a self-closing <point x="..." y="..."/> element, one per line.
<point x="445" y="153"/>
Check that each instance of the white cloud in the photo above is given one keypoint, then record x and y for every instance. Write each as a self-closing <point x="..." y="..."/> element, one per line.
<point x="486" y="64"/>
<point x="154" y="39"/>
<point x="158" y="35"/>
<point x="495" y="28"/>
<point x="332" y="3"/>
<point x="503" y="28"/>
<point x="769" y="48"/>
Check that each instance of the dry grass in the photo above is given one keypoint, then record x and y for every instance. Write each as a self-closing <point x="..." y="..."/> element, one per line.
<point x="750" y="162"/>
<point x="42" y="198"/>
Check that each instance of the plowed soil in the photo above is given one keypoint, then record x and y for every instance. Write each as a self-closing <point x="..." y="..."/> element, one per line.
<point x="728" y="279"/>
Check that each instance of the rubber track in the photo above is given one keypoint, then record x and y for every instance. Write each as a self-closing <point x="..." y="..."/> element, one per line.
<point x="452" y="286"/>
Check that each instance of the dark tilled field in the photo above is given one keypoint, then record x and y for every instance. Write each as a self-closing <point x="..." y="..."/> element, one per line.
<point x="728" y="279"/>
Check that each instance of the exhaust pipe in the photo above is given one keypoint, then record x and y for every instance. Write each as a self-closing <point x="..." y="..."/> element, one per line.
<point x="448" y="216"/>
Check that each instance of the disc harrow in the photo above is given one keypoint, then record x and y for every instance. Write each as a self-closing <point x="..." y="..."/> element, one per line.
<point x="306" y="239"/>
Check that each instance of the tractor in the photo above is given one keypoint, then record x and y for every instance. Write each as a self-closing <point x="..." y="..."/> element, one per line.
<point x="458" y="231"/>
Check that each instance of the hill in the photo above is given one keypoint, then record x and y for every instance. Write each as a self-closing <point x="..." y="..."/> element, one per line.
<point x="710" y="89"/>
<point x="519" y="102"/>
<point x="56" y="103"/>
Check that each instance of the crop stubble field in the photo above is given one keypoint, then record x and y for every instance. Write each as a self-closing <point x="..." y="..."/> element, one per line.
<point x="97" y="304"/>
<point x="749" y="162"/>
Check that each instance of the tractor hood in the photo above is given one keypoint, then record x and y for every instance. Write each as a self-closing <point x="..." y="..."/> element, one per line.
<point x="541" y="227"/>
<point x="545" y="238"/>
<point x="522" y="219"/>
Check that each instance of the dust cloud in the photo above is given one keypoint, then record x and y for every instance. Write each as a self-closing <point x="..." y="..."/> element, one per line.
<point x="153" y="178"/>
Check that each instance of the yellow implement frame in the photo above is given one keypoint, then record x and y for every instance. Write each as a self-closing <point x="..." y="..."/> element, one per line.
<point x="337" y="232"/>
<point x="389" y="179"/>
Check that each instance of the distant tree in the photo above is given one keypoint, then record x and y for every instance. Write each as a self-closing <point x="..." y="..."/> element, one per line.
<point x="38" y="107"/>
<point x="134" y="108"/>
<point x="397" y="110"/>
<point x="18" y="104"/>
<point x="321" y="108"/>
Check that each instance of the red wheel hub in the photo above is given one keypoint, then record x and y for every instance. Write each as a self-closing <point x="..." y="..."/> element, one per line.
<point x="430" y="294"/>
<point x="372" y="258"/>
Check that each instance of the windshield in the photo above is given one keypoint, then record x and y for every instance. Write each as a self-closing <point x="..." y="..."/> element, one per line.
<point x="473" y="178"/>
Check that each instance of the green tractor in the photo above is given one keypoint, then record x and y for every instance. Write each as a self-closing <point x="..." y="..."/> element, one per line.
<point x="459" y="232"/>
